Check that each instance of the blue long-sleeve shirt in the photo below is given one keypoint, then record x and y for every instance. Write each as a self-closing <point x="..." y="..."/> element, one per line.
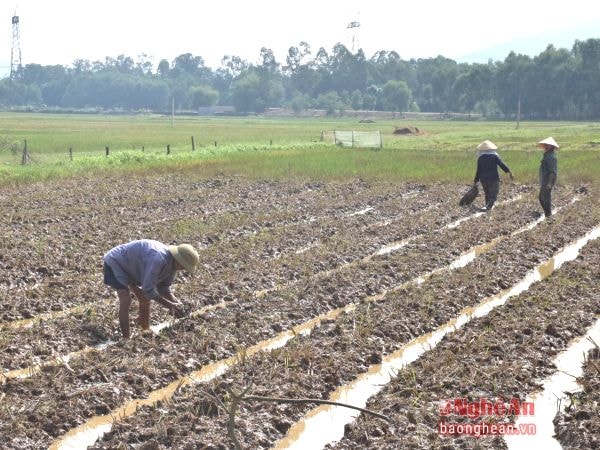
<point x="146" y="263"/>
<point x="487" y="167"/>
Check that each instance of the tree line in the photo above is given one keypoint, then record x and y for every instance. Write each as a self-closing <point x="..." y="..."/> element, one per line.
<point x="557" y="84"/>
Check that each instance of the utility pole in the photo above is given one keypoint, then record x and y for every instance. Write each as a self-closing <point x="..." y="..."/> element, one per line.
<point x="519" y="111"/>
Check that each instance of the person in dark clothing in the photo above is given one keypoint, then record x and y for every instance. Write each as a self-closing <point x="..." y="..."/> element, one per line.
<point x="548" y="174"/>
<point x="488" y="162"/>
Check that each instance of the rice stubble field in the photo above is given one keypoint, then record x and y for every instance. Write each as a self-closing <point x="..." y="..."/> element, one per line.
<point x="304" y="286"/>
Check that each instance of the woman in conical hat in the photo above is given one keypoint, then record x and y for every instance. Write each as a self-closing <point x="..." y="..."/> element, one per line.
<point x="488" y="162"/>
<point x="548" y="173"/>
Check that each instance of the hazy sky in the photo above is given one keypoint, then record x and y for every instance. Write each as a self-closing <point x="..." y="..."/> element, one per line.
<point x="59" y="31"/>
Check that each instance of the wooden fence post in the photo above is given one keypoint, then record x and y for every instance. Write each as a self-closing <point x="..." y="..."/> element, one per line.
<point x="107" y="150"/>
<point x="193" y="145"/>
<point x="25" y="156"/>
<point x="168" y="149"/>
<point x="70" y="153"/>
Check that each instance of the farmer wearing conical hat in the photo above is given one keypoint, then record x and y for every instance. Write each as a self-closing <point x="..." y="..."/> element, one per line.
<point x="548" y="173"/>
<point x="488" y="162"/>
<point x="147" y="268"/>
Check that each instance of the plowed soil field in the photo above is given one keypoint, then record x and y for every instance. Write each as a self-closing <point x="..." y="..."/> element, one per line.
<point x="304" y="287"/>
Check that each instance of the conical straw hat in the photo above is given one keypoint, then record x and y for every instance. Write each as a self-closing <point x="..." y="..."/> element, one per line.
<point x="487" y="146"/>
<point x="548" y="141"/>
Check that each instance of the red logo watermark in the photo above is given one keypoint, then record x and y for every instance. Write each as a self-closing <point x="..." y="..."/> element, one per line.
<point x="496" y="414"/>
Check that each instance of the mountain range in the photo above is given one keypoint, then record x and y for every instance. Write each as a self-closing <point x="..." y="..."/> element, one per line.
<point x="534" y="45"/>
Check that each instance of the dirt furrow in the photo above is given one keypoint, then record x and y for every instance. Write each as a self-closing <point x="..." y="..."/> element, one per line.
<point x="505" y="355"/>
<point x="334" y="353"/>
<point x="314" y="296"/>
<point x="578" y="427"/>
<point x="253" y="269"/>
<point x="224" y="333"/>
<point x="61" y="255"/>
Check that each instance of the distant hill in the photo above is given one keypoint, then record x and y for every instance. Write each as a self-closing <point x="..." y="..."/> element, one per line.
<point x="533" y="46"/>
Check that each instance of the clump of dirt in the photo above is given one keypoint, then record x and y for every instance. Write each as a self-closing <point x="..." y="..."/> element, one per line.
<point x="407" y="130"/>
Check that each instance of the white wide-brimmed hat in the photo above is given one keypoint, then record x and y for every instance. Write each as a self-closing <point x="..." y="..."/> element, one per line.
<point x="185" y="255"/>
<point x="548" y="141"/>
<point x="486" y="146"/>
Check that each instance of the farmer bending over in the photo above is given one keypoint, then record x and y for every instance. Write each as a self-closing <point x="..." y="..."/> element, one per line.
<point x="151" y="266"/>
<point x="488" y="162"/>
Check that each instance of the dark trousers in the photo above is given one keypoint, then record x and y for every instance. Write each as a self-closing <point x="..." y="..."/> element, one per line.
<point x="545" y="198"/>
<point x="490" y="190"/>
<point x="110" y="279"/>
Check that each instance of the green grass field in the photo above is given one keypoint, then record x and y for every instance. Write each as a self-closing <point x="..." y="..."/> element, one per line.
<point x="276" y="148"/>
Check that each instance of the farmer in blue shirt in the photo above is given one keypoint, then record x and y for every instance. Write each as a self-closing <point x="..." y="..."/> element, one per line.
<point x="147" y="268"/>
<point x="488" y="162"/>
<point x="548" y="173"/>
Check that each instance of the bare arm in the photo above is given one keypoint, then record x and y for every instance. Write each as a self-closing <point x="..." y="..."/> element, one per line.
<point x="166" y="299"/>
<point x="169" y="301"/>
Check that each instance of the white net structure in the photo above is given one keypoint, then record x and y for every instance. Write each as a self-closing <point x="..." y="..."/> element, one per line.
<point x="359" y="139"/>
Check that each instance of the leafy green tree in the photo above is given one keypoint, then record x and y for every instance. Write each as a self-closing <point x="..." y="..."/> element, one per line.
<point x="585" y="85"/>
<point x="296" y="57"/>
<point x="348" y="70"/>
<point x="150" y="93"/>
<point x="81" y="66"/>
<point x="163" y="68"/>
<point x="269" y="65"/>
<point x="121" y="63"/>
<point x="115" y="90"/>
<point x="385" y="66"/>
<point x="246" y="93"/>
<point x="395" y="96"/>
<point x="231" y="68"/>
<point x="473" y="86"/>
<point x="514" y="76"/>
<point x="143" y="64"/>
<point x="322" y="64"/>
<point x="18" y="93"/>
<point x="557" y="83"/>
<point x="369" y="102"/>
<point x="53" y="92"/>
<point x="203" y="96"/>
<point x="331" y="101"/>
<point x="180" y="91"/>
<point x="549" y="83"/>
<point x="187" y="63"/>
<point x="356" y="100"/>
<point x="299" y="103"/>
<point x="435" y="79"/>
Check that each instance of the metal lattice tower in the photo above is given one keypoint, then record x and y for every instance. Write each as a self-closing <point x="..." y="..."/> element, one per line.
<point x="353" y="27"/>
<point x="15" y="51"/>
